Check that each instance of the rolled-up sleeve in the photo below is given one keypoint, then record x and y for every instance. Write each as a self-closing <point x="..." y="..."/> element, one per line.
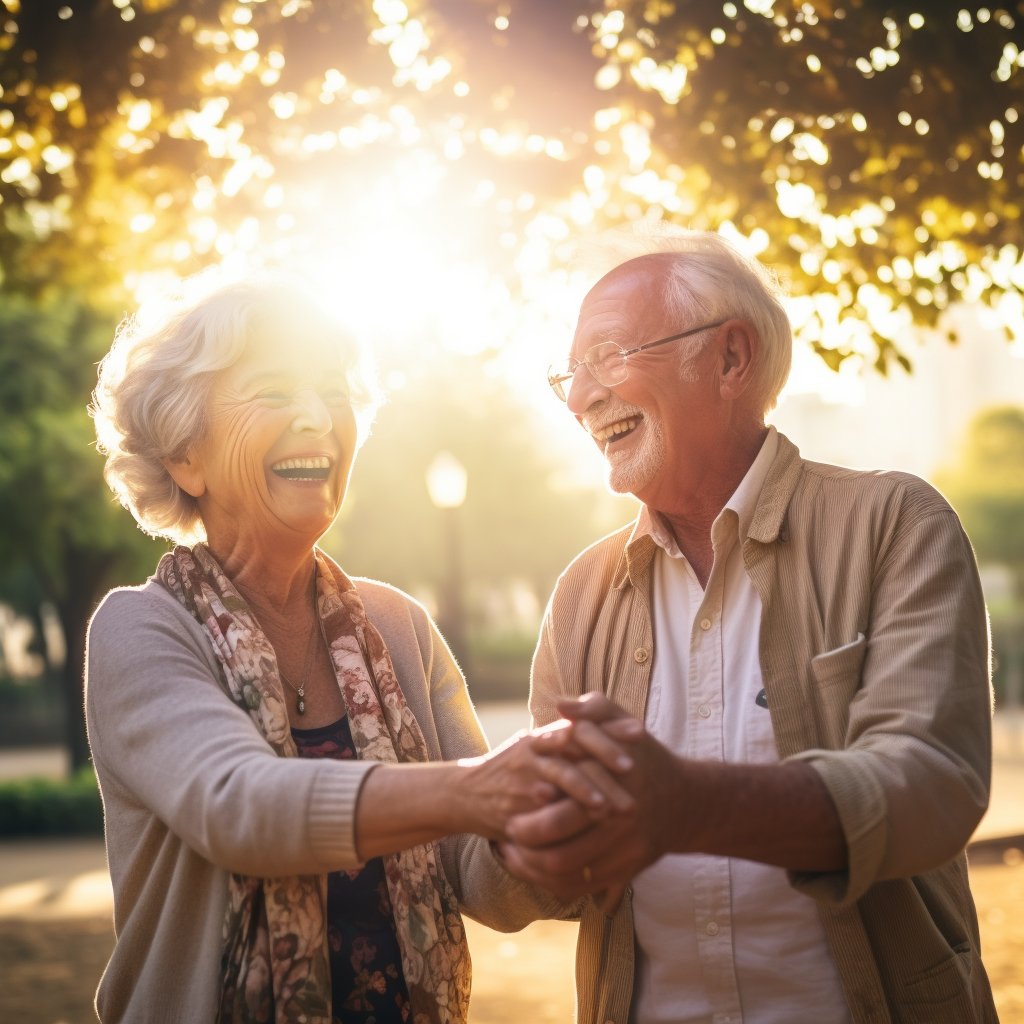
<point x="911" y="779"/>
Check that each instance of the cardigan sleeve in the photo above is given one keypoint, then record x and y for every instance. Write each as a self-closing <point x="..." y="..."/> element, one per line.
<point x="486" y="891"/>
<point x="545" y="683"/>
<point x="163" y="732"/>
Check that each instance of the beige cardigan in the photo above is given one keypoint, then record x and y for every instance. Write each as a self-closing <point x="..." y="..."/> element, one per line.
<point x="192" y="791"/>
<point x="874" y="654"/>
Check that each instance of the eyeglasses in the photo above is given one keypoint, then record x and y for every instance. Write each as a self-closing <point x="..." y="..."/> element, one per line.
<point x="607" y="362"/>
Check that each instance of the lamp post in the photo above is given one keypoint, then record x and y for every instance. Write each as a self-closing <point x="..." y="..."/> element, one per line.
<point x="446" y="485"/>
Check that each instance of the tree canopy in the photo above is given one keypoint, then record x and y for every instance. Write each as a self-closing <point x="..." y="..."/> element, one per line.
<point x="985" y="483"/>
<point x="62" y="538"/>
<point x="871" y="151"/>
<point x="433" y="161"/>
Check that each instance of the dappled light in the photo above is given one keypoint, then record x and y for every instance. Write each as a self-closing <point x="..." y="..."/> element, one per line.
<point x="451" y="151"/>
<point x="443" y="175"/>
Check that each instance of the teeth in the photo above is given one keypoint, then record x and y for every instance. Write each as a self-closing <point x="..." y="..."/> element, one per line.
<point x="613" y="430"/>
<point x="318" y="462"/>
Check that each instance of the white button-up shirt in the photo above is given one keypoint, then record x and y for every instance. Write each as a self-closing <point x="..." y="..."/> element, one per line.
<point x="721" y="940"/>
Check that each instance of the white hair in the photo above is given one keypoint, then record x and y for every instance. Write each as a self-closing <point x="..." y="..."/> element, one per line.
<point x="152" y="397"/>
<point x="707" y="279"/>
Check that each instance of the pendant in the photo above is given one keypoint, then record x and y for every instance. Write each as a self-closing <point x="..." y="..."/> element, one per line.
<point x="301" y="702"/>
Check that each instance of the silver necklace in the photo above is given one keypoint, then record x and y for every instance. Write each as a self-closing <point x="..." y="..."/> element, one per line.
<point x="300" y="690"/>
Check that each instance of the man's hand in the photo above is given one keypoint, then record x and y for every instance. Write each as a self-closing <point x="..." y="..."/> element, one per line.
<point x="562" y="849"/>
<point x="780" y="814"/>
<point x="581" y="764"/>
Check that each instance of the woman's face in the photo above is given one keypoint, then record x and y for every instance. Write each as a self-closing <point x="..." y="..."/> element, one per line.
<point x="281" y="441"/>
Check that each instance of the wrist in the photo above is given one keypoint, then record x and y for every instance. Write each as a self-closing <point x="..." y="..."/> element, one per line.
<point x="462" y="797"/>
<point x="693" y="786"/>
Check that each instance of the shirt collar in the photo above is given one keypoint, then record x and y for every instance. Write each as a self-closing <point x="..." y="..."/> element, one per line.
<point x="742" y="503"/>
<point x="766" y="490"/>
<point x="744" y="499"/>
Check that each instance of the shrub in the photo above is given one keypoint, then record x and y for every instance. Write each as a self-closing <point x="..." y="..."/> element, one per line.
<point x="49" y="807"/>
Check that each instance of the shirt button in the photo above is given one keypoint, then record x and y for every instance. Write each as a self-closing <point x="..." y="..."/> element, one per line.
<point x="640" y="655"/>
<point x="705" y="624"/>
<point x="704" y="711"/>
<point x="711" y="928"/>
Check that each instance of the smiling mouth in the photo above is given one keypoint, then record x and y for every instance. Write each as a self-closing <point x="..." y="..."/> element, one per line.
<point x="616" y="431"/>
<point x="315" y="469"/>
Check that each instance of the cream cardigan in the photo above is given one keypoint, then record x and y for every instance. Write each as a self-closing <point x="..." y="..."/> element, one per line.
<point x="192" y="791"/>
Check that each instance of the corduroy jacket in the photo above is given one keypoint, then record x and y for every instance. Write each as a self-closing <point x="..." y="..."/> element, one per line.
<point x="874" y="654"/>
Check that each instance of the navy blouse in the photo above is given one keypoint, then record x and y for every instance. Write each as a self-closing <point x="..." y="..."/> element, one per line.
<point x="366" y="962"/>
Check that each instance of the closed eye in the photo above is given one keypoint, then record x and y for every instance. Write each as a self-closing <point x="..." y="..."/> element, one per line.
<point x="335" y="396"/>
<point x="271" y="396"/>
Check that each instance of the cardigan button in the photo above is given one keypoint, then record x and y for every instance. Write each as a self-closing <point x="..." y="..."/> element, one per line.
<point x="641" y="655"/>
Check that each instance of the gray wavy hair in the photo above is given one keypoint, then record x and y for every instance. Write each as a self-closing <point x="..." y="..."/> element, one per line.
<point x="152" y="396"/>
<point x="707" y="279"/>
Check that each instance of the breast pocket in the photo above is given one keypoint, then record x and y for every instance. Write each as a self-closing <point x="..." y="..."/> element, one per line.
<point x="758" y="738"/>
<point x="837" y="675"/>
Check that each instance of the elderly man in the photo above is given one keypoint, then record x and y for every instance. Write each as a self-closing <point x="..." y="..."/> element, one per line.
<point x="807" y="648"/>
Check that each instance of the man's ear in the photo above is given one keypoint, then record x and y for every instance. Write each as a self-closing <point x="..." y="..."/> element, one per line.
<point x="739" y="352"/>
<point x="187" y="473"/>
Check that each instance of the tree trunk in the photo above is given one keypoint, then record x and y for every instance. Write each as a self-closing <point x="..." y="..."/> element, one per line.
<point x="85" y="585"/>
<point x="74" y="617"/>
<point x="41" y="646"/>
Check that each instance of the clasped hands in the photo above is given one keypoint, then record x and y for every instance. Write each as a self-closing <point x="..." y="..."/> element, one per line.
<point x="580" y="805"/>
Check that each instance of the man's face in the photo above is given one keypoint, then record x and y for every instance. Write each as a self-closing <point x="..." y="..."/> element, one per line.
<point x="657" y="428"/>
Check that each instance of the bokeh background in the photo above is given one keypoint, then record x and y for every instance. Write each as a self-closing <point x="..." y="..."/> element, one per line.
<point x="442" y="171"/>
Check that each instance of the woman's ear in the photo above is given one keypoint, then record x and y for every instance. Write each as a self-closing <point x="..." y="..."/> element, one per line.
<point x="187" y="473"/>
<point x="739" y="352"/>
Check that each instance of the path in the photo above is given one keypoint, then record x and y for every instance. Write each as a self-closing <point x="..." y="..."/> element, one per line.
<point x="55" y="908"/>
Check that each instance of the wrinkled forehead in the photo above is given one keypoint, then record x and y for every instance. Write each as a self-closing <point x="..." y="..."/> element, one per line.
<point x="627" y="306"/>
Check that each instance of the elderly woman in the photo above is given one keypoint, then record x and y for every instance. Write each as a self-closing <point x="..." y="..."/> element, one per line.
<point x="261" y="724"/>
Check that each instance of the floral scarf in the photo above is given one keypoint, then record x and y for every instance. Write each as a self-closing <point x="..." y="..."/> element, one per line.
<point x="275" y="964"/>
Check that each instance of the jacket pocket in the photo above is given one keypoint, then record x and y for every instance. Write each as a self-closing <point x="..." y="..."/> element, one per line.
<point x="837" y="675"/>
<point x="941" y="994"/>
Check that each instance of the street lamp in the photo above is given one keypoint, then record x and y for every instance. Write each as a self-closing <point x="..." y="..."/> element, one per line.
<point x="446" y="485"/>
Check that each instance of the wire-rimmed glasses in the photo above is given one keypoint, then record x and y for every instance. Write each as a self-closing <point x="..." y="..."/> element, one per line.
<point x="607" y="362"/>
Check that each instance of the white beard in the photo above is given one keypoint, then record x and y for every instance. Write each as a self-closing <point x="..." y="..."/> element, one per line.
<point x="631" y="471"/>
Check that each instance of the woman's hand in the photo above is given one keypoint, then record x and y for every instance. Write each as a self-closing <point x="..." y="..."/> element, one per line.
<point x="560" y="848"/>
<point x="534" y="769"/>
<point x="401" y="805"/>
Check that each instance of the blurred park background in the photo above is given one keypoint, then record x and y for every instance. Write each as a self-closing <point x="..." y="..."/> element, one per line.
<point x="433" y="167"/>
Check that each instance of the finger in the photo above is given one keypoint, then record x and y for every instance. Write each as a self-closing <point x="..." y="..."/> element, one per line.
<point x="616" y="795"/>
<point x="594" y="851"/>
<point x="626" y="729"/>
<point x="521" y="863"/>
<point x="557" y="822"/>
<point x="600" y="744"/>
<point x="595" y="707"/>
<point x="556" y="738"/>
<point x="585" y="787"/>
<point x="543" y="793"/>
<point x="589" y="784"/>
<point x="553" y="729"/>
